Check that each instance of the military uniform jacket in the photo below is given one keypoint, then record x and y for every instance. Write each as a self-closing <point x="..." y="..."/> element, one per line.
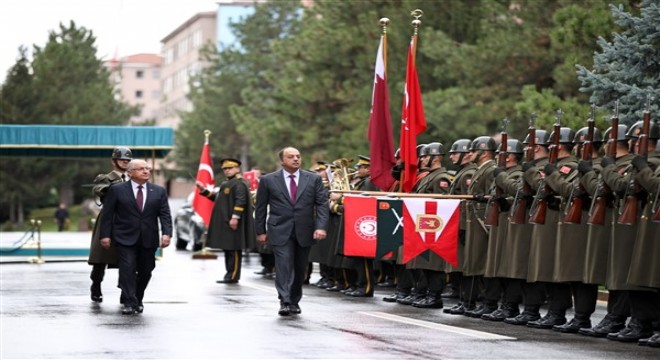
<point x="232" y="199"/>
<point x="97" y="253"/>
<point x="437" y="181"/>
<point x="476" y="235"/>
<point x="500" y="247"/>
<point x="598" y="236"/>
<point x="645" y="264"/>
<point x="459" y="186"/>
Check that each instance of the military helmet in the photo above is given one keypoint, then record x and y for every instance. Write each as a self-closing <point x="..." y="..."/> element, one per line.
<point x="460" y="146"/>
<point x="541" y="138"/>
<point x="483" y="143"/>
<point x="419" y="149"/>
<point x="581" y="136"/>
<point x="566" y="135"/>
<point x="621" y="134"/>
<point x="122" y="153"/>
<point x="636" y="129"/>
<point x="513" y="146"/>
<point x="434" y="148"/>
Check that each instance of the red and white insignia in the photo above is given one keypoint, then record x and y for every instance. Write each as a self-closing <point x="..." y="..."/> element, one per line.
<point x="428" y="223"/>
<point x="565" y="170"/>
<point x="444" y="184"/>
<point x="468" y="181"/>
<point x="365" y="227"/>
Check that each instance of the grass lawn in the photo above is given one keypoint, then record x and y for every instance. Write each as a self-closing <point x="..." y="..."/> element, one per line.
<point x="48" y="223"/>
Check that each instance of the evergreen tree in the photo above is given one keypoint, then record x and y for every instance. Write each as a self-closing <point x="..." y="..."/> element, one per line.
<point x="627" y="68"/>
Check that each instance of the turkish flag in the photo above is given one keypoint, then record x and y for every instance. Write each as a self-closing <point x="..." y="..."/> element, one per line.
<point x="413" y="122"/>
<point x="431" y="224"/>
<point x="381" y="143"/>
<point x="201" y="204"/>
<point x="360" y="226"/>
<point x="251" y="178"/>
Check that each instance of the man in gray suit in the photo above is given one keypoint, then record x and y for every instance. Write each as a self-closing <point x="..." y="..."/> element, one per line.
<point x="291" y="213"/>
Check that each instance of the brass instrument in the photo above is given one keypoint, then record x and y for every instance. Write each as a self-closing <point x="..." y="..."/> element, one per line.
<point x="342" y="175"/>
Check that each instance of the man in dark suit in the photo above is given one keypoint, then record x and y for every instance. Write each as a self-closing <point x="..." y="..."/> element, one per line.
<point x="291" y="213"/>
<point x="129" y="222"/>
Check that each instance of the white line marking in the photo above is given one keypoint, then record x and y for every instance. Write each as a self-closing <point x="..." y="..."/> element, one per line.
<point x="436" y="326"/>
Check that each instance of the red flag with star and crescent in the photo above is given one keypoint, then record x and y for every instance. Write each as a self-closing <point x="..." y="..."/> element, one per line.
<point x="360" y="226"/>
<point x="431" y="224"/>
<point x="201" y="204"/>
<point x="413" y="122"/>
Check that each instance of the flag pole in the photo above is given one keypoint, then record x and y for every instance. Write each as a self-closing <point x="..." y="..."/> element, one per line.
<point x="204" y="253"/>
<point x="383" y="24"/>
<point x="417" y="13"/>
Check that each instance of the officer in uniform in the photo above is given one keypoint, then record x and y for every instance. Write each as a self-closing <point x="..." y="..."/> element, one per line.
<point x="437" y="181"/>
<point x="533" y="292"/>
<point x="599" y="235"/>
<point x="320" y="250"/>
<point x="476" y="237"/>
<point x="232" y="223"/>
<point x="644" y="301"/>
<point x="100" y="257"/>
<point x="500" y="246"/>
<point x="460" y="156"/>
<point x="572" y="242"/>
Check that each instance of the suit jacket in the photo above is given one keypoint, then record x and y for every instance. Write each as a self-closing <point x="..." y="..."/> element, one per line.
<point x="124" y="224"/>
<point x="308" y="213"/>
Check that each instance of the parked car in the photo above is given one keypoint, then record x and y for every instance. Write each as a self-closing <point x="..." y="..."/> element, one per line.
<point x="189" y="228"/>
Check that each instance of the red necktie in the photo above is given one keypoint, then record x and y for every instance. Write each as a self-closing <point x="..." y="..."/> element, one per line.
<point x="293" y="188"/>
<point x="140" y="198"/>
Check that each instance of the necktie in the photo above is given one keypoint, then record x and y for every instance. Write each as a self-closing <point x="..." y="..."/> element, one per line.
<point x="123" y="177"/>
<point x="293" y="188"/>
<point x="139" y="198"/>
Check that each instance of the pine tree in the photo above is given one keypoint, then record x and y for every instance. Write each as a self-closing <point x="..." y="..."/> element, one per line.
<point x="627" y="68"/>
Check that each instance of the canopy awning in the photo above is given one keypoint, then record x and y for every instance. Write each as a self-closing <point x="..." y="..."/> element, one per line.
<point x="84" y="141"/>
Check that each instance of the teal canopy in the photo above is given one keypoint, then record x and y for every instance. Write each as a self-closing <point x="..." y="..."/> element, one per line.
<point x="84" y="141"/>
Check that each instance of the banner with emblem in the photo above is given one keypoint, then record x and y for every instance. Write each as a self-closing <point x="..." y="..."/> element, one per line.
<point x="360" y="226"/>
<point x="390" y="226"/>
<point x="431" y="224"/>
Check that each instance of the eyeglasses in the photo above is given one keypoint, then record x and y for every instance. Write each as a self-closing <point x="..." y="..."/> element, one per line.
<point x="141" y="169"/>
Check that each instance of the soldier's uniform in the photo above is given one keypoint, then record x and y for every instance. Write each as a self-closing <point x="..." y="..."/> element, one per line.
<point x="501" y="248"/>
<point x="100" y="257"/>
<point x="232" y="201"/>
<point x="319" y="251"/>
<point x="459" y="186"/>
<point x="476" y="236"/>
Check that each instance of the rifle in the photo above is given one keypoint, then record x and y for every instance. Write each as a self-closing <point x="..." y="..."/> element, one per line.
<point x="656" y="206"/>
<point x="519" y="206"/>
<point x="628" y="216"/>
<point x="573" y="213"/>
<point x="493" y="207"/>
<point x="540" y="206"/>
<point x="599" y="200"/>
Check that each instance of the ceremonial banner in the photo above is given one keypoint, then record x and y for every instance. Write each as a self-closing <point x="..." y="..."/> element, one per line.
<point x="251" y="178"/>
<point x="201" y="204"/>
<point x="359" y="226"/>
<point x="390" y="226"/>
<point x="381" y="143"/>
<point x="431" y="224"/>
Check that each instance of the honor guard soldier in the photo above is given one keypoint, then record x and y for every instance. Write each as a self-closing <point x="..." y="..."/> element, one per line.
<point x="100" y="257"/>
<point x="232" y="224"/>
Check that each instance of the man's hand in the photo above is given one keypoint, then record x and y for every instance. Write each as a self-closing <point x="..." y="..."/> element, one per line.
<point x="319" y="234"/>
<point x="105" y="242"/>
<point x="233" y="223"/>
<point x="165" y="241"/>
<point x="262" y="238"/>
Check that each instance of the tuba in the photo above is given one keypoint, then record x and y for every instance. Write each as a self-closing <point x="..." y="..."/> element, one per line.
<point x="341" y="175"/>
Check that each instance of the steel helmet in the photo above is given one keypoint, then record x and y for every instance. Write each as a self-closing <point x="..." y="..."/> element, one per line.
<point x="581" y="136"/>
<point x="566" y="135"/>
<point x="434" y="148"/>
<point x="483" y="143"/>
<point x="636" y="129"/>
<point x="621" y="133"/>
<point x="122" y="153"/>
<point x="460" y="146"/>
<point x="541" y="138"/>
<point x="513" y="146"/>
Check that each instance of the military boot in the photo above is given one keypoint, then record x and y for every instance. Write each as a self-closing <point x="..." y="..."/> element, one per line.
<point x="531" y="313"/>
<point x="507" y="310"/>
<point x="579" y="321"/>
<point x="609" y="324"/>
<point x="636" y="329"/>
<point x="551" y="319"/>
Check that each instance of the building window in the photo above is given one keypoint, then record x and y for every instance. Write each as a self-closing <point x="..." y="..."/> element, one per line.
<point x="138" y="94"/>
<point x="156" y="74"/>
<point x="139" y="74"/>
<point x="155" y="94"/>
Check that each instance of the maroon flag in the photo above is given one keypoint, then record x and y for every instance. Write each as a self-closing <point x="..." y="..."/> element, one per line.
<point x="413" y="122"/>
<point x="201" y="204"/>
<point x="381" y="149"/>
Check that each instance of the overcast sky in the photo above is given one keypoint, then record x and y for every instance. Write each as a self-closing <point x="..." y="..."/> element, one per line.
<point x="124" y="27"/>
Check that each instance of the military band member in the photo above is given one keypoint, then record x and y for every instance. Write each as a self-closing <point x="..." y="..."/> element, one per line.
<point x="232" y="224"/>
<point x="319" y="251"/>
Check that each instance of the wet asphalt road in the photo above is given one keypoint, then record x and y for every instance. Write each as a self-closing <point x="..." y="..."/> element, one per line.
<point x="46" y="312"/>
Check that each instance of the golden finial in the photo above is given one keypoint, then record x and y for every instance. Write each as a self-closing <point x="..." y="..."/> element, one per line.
<point x="417" y="13"/>
<point x="384" y="22"/>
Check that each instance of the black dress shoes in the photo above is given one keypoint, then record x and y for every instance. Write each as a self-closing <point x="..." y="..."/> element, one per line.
<point x="429" y="302"/>
<point x="551" y="319"/>
<point x="482" y="310"/>
<point x="633" y="332"/>
<point x="573" y="326"/>
<point x="336" y="288"/>
<point x="139" y="309"/>
<point x="653" y="341"/>
<point x="284" y="310"/>
<point x="96" y="294"/>
<point x="294" y="309"/>
<point x="505" y="311"/>
<point x="227" y="281"/>
<point x="128" y="310"/>
<point x="460" y="309"/>
<point x="609" y="324"/>
<point x="523" y="319"/>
